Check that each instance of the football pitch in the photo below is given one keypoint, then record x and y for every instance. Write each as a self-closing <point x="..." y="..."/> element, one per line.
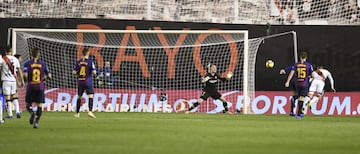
<point x="162" y="133"/>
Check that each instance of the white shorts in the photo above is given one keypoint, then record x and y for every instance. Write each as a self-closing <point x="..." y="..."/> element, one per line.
<point x="317" y="86"/>
<point x="9" y="87"/>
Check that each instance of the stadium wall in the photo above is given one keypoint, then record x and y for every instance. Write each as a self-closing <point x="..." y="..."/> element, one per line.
<point x="335" y="47"/>
<point x="135" y="100"/>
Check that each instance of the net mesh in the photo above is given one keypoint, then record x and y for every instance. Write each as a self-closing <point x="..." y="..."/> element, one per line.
<point x="334" y="12"/>
<point x="143" y="64"/>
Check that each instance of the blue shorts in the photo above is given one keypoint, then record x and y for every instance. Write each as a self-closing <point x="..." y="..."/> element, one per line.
<point x="302" y="91"/>
<point x="37" y="96"/>
<point x="88" y="89"/>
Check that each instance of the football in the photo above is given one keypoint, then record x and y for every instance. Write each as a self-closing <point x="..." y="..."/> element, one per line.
<point x="269" y="63"/>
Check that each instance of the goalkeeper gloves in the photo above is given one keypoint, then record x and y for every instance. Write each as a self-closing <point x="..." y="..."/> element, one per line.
<point x="229" y="75"/>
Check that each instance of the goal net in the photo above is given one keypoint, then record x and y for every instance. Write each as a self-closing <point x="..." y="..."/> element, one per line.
<point x="144" y="71"/>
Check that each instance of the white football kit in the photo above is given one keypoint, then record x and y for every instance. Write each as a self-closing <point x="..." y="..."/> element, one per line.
<point x="9" y="73"/>
<point x="318" y="83"/>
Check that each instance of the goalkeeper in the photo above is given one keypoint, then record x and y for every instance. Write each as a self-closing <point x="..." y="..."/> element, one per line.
<point x="210" y="89"/>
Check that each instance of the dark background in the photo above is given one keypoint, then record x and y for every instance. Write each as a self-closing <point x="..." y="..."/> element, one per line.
<point x="335" y="47"/>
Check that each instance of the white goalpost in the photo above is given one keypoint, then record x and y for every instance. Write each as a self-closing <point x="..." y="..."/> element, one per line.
<point x="135" y="67"/>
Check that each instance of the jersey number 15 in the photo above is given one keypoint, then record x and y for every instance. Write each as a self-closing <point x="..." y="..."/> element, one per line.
<point x="301" y="73"/>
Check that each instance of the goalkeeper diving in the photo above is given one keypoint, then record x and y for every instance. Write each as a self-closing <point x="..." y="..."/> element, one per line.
<point x="210" y="88"/>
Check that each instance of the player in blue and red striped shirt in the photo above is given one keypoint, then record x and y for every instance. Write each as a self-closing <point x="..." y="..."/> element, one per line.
<point x="302" y="71"/>
<point x="84" y="69"/>
<point x="36" y="73"/>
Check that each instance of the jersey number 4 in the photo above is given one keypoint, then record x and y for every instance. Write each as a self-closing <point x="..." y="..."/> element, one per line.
<point x="82" y="71"/>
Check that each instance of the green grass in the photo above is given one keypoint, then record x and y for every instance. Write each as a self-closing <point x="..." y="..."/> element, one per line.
<point x="180" y="133"/>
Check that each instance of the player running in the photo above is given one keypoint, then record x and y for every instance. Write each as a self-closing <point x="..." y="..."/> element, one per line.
<point x="36" y="73"/>
<point x="318" y="83"/>
<point x="302" y="71"/>
<point x="84" y="69"/>
<point x="210" y="89"/>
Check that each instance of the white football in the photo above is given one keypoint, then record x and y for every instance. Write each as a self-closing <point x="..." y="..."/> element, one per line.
<point x="269" y="64"/>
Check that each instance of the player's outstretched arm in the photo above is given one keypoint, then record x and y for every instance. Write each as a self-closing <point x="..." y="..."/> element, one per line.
<point x="291" y="74"/>
<point x="22" y="82"/>
<point x="25" y="75"/>
<point x="286" y="69"/>
<point x="93" y="68"/>
<point x="227" y="77"/>
<point x="25" y="72"/>
<point x="331" y="82"/>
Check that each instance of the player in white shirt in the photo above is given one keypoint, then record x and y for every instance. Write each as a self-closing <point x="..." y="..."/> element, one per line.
<point x="10" y="71"/>
<point x="318" y="83"/>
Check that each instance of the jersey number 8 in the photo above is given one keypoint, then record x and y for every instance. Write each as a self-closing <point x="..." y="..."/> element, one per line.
<point x="36" y="75"/>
